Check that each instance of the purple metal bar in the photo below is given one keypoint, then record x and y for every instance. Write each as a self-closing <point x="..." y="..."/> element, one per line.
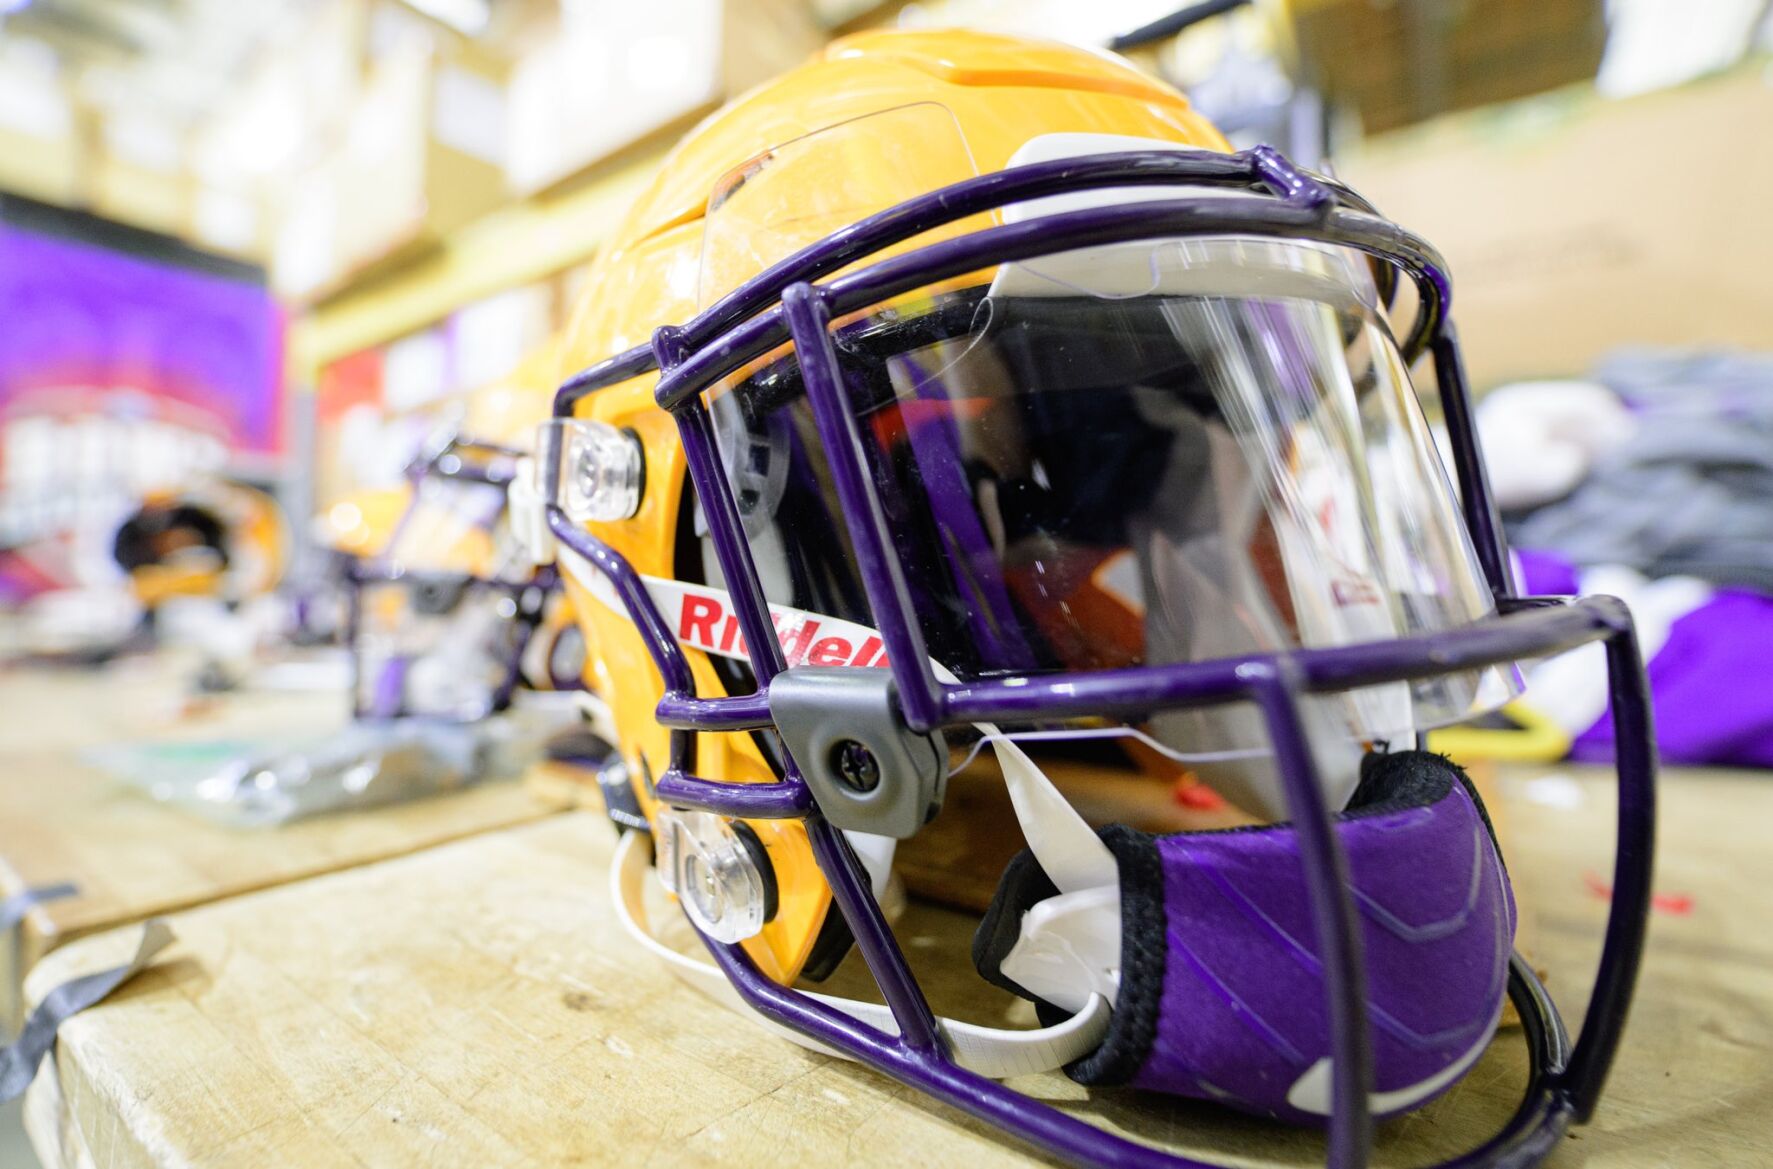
<point x="1543" y="1116"/>
<point x="702" y="453"/>
<point x="608" y="372"/>
<point x="348" y="566"/>
<point x="532" y="602"/>
<point x="558" y="679"/>
<point x="854" y="898"/>
<point x="920" y="698"/>
<point x="679" y="709"/>
<point x="1274" y="687"/>
<point x="935" y="446"/>
<point x="448" y="463"/>
<point x="789" y="799"/>
<point x="388" y="701"/>
<point x="667" y="655"/>
<point x="1634" y="741"/>
<point x="748" y="340"/>
<point x="1173" y="218"/>
<point x="758" y="801"/>
<point x="987" y="192"/>
<point x="1041" y="1125"/>
<point x="730" y="546"/>
<point x="743" y="712"/>
<point x="1262" y="166"/>
<point x="1279" y="175"/>
<point x="497" y="450"/>
<point x="493" y="475"/>
<point x="1141" y="689"/>
<point x="1475" y="497"/>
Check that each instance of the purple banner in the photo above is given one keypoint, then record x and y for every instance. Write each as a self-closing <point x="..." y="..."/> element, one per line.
<point x="85" y="329"/>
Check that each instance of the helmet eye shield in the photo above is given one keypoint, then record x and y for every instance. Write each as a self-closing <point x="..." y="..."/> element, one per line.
<point x="1078" y="482"/>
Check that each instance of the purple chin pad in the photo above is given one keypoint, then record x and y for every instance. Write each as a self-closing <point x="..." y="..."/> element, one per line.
<point x="1222" y="994"/>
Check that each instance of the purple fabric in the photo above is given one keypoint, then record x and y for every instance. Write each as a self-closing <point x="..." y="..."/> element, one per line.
<point x="1242" y="1013"/>
<point x="1708" y="681"/>
<point x="127" y="326"/>
<point x="1709" y="687"/>
<point x="1545" y="574"/>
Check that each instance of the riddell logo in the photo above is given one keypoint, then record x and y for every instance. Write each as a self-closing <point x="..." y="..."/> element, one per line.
<point x="705" y="620"/>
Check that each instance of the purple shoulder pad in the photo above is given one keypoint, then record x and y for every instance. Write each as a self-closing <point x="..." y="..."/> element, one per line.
<point x="1222" y="993"/>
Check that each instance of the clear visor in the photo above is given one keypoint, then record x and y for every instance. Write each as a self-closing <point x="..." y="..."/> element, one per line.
<point x="1092" y="461"/>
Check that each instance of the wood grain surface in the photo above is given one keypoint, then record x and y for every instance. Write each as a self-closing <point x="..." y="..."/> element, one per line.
<point x="64" y="820"/>
<point x="476" y="1004"/>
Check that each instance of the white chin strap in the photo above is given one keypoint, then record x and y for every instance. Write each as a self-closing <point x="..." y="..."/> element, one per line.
<point x="988" y="1051"/>
<point x="1069" y="950"/>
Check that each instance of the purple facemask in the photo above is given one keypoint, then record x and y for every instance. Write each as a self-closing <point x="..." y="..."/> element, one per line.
<point x="1347" y="963"/>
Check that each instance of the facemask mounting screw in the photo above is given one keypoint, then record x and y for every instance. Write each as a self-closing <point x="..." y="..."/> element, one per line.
<point x="855" y="765"/>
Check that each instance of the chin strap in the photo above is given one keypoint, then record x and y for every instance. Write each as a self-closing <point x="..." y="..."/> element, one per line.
<point x="988" y="1051"/>
<point x="1069" y="950"/>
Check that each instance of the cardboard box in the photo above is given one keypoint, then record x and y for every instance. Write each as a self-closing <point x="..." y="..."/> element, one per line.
<point x="1398" y="63"/>
<point x="1573" y="225"/>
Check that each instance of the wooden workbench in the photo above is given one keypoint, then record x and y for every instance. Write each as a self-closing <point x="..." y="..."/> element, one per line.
<point x="475" y="1004"/>
<point x="63" y="820"/>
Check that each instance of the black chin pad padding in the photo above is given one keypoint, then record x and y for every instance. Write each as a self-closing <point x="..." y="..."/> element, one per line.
<point x="1143" y="951"/>
<point x="1024" y="885"/>
<point x="1396" y="780"/>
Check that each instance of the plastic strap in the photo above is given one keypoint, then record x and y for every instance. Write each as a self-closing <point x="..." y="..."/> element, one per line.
<point x="14" y="908"/>
<point x="987" y="1051"/>
<point x="1082" y="954"/>
<point x="18" y="1063"/>
<point x="1060" y="839"/>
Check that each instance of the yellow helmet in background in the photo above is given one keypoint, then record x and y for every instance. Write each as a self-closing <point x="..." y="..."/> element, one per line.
<point x="361" y="523"/>
<point x="217" y="539"/>
<point x="504" y="412"/>
<point x="446" y="605"/>
<point x="496" y="418"/>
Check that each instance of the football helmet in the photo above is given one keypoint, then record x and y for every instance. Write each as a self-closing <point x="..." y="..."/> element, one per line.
<point x="443" y="606"/>
<point x="217" y="539"/>
<point x="960" y="413"/>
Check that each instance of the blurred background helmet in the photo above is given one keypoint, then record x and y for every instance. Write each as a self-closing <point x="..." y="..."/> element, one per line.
<point x="445" y="603"/>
